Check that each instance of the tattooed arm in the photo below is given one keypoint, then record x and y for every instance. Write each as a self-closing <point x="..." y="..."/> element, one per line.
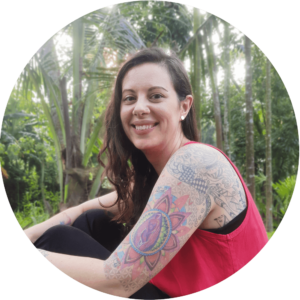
<point x="196" y="182"/>
<point x="85" y="270"/>
<point x="196" y="186"/>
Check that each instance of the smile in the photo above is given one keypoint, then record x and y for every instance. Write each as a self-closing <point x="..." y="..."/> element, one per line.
<point x="144" y="127"/>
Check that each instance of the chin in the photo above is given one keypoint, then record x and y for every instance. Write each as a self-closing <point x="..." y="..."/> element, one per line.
<point x="141" y="145"/>
<point x="144" y="145"/>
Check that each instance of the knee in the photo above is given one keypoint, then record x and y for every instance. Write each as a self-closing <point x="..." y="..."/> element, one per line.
<point x="52" y="235"/>
<point x="57" y="230"/>
<point x="95" y="214"/>
<point x="91" y="216"/>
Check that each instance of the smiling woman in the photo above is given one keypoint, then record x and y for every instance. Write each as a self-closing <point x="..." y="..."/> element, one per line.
<point x="189" y="217"/>
<point x="151" y="112"/>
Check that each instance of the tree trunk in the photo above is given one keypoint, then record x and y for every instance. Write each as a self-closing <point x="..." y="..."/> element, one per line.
<point x="68" y="150"/>
<point x="77" y="109"/>
<point x="226" y="89"/>
<point x="197" y="71"/>
<point x="269" y="198"/>
<point x="75" y="180"/>
<point x="213" y="79"/>
<point x="250" y="171"/>
<point x="231" y="77"/>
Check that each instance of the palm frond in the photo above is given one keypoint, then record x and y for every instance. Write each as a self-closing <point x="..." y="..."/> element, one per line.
<point x="18" y="116"/>
<point x="10" y="139"/>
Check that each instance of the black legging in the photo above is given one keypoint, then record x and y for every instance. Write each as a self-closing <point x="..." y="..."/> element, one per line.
<point x="91" y="235"/>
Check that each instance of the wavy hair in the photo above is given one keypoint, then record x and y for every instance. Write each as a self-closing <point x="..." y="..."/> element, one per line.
<point x="127" y="168"/>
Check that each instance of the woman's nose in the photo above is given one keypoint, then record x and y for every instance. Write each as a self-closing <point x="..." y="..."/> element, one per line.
<point x="141" y="108"/>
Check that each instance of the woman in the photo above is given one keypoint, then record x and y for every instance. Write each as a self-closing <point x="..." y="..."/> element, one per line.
<point x="176" y="196"/>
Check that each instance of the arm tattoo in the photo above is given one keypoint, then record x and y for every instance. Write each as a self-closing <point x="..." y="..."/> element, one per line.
<point x="222" y="220"/>
<point x="154" y="240"/>
<point x="181" y="199"/>
<point x="215" y="179"/>
<point x="68" y="222"/>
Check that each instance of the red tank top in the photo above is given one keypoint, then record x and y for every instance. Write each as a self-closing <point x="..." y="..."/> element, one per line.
<point x="208" y="258"/>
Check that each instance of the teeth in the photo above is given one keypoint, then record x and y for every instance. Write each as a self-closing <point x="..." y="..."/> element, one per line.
<point x="144" y="127"/>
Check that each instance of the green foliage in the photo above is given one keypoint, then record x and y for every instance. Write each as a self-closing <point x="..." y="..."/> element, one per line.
<point x="260" y="199"/>
<point x="31" y="178"/>
<point x="106" y="184"/>
<point x="32" y="214"/>
<point x="284" y="190"/>
<point x="281" y="198"/>
<point x="151" y="18"/>
<point x="53" y="199"/>
<point x="2" y="153"/>
<point x="24" y="145"/>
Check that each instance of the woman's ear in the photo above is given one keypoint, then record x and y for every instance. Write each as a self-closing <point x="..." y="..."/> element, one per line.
<point x="185" y="106"/>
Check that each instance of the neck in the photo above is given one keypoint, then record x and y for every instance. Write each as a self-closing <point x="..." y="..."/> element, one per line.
<point x="159" y="157"/>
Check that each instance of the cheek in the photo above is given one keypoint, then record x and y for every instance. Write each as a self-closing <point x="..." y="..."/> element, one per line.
<point x="125" y="116"/>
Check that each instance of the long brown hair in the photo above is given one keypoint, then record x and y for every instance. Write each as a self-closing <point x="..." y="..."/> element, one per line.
<point x="127" y="168"/>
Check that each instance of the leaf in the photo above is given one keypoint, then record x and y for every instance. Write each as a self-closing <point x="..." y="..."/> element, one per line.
<point x="95" y="149"/>
<point x="66" y="193"/>
<point x="96" y="184"/>
<point x="52" y="130"/>
<point x="18" y="115"/>
<point x="100" y="143"/>
<point x="91" y="142"/>
<point x="4" y="173"/>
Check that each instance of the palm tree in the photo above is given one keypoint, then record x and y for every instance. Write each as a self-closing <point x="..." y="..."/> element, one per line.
<point x="269" y="198"/>
<point x="226" y="89"/>
<point x="69" y="89"/>
<point x="250" y="171"/>
<point x="212" y="68"/>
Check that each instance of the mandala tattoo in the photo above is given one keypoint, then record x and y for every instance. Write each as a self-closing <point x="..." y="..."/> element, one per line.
<point x="154" y="237"/>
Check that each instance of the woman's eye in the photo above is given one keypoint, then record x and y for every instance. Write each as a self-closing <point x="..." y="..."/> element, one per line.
<point x="156" y="96"/>
<point x="129" y="98"/>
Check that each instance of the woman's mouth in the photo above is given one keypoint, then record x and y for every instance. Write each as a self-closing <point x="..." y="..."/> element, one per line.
<point x="144" y="127"/>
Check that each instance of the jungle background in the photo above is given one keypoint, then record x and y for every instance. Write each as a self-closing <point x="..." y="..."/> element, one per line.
<point x="53" y="124"/>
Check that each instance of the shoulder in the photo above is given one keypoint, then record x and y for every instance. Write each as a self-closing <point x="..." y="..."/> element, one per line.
<point x="193" y="158"/>
<point x="209" y="172"/>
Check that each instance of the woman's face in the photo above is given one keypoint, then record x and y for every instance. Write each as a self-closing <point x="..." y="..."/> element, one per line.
<point x="150" y="110"/>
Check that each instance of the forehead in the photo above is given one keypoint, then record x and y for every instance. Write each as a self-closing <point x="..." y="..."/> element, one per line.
<point x="148" y="74"/>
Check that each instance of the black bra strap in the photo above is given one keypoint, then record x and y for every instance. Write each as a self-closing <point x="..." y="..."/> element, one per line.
<point x="231" y="226"/>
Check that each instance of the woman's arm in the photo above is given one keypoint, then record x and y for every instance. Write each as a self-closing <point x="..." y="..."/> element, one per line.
<point x="68" y="216"/>
<point x="86" y="270"/>
<point x="106" y="202"/>
<point x="198" y="183"/>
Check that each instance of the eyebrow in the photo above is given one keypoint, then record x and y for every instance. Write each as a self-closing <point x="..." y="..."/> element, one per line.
<point x="152" y="88"/>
